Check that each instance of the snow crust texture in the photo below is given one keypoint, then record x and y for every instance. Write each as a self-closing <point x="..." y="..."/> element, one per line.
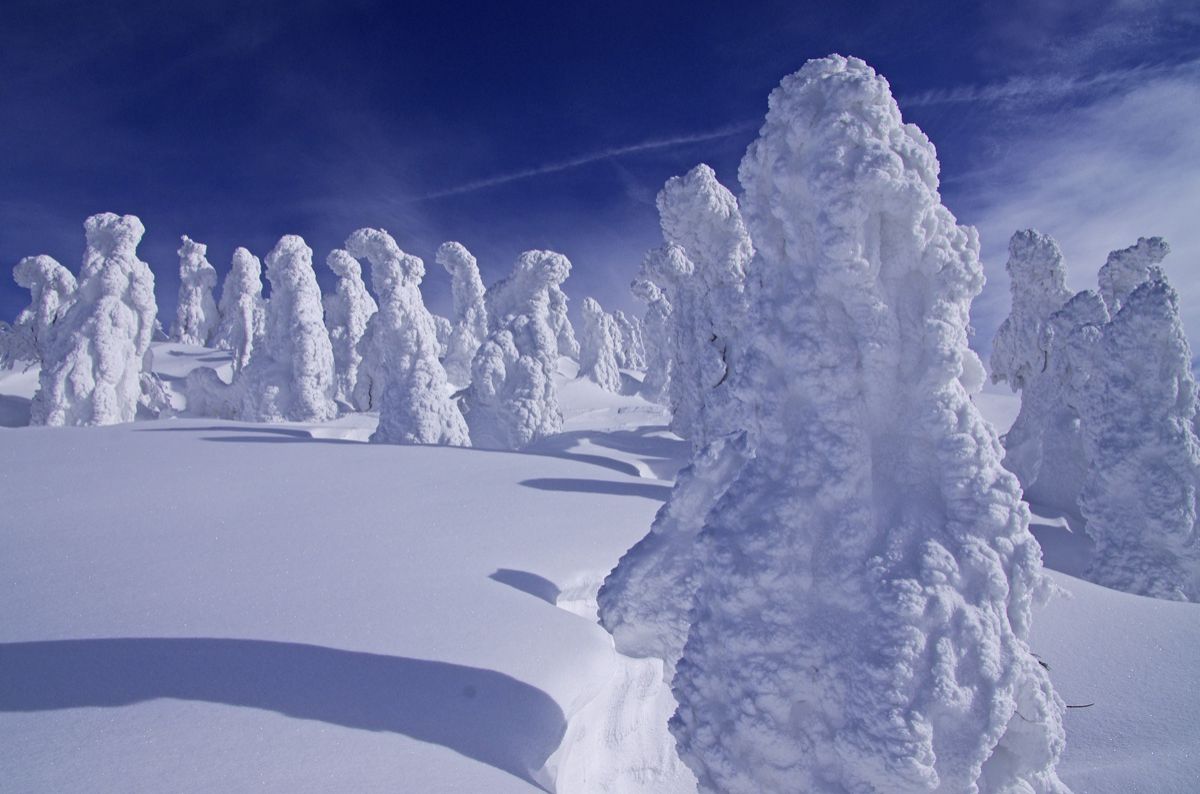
<point x="862" y="620"/>
<point x="196" y="318"/>
<point x="1139" y="412"/>
<point x="512" y="400"/>
<point x="243" y="310"/>
<point x="347" y="312"/>
<point x="93" y="360"/>
<point x="290" y="375"/>
<point x="401" y="347"/>
<point x="469" y="326"/>
<point x="599" y="346"/>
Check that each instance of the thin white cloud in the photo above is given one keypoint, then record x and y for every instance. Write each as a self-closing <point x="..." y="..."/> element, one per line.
<point x="591" y="157"/>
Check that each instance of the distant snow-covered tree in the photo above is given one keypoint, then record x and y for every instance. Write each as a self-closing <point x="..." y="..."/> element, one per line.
<point x="290" y="375"/>
<point x="598" y="347"/>
<point x="560" y="322"/>
<point x="631" y="353"/>
<point x="243" y="310"/>
<point x="513" y="400"/>
<point x="346" y="314"/>
<point x="52" y="288"/>
<point x="656" y="329"/>
<point x="92" y="362"/>
<point x="862" y="617"/>
<point x="1128" y="268"/>
<point x="443" y="328"/>
<point x="1139" y="408"/>
<point x="196" y="318"/>
<point x="469" y="326"/>
<point x="415" y="405"/>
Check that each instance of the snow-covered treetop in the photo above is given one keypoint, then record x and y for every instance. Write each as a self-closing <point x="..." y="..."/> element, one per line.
<point x="698" y="213"/>
<point x="110" y="237"/>
<point x="524" y="291"/>
<point x="245" y="276"/>
<point x="1037" y="280"/>
<point x="1127" y="268"/>
<point x="50" y="285"/>
<point x="665" y="268"/>
<point x="194" y="267"/>
<point x="343" y="265"/>
<point x="390" y="267"/>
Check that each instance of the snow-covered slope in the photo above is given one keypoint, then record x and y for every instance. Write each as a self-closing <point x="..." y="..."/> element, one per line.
<point x="201" y="605"/>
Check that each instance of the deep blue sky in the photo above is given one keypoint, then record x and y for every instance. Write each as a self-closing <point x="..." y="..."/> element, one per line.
<point x="236" y="123"/>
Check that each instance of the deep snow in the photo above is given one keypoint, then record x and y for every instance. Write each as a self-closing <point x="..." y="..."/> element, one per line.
<point x="200" y="605"/>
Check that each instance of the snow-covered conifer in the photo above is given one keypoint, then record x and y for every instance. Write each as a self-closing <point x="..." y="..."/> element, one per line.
<point x="443" y="329"/>
<point x="598" y="347"/>
<point x="290" y="375"/>
<point x="346" y="314"/>
<point x="1139" y="409"/>
<point x="415" y="405"/>
<point x="196" y="318"/>
<point x="631" y="353"/>
<point x="560" y="323"/>
<point x="512" y="400"/>
<point x="656" y="330"/>
<point x="92" y="364"/>
<point x="470" y="316"/>
<point x="863" y="609"/>
<point x="52" y="288"/>
<point x="1126" y="269"/>
<point x="243" y="309"/>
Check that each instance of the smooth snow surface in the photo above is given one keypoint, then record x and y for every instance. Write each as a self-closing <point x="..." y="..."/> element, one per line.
<point x="223" y="606"/>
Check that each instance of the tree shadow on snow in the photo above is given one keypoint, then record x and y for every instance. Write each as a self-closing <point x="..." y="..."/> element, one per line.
<point x="565" y="484"/>
<point x="481" y="714"/>
<point x="526" y="582"/>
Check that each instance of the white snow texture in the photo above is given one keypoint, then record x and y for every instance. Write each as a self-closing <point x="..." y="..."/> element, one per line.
<point x="863" y="615"/>
<point x="51" y="288"/>
<point x="598" y="347"/>
<point x="401" y="340"/>
<point x="631" y="353"/>
<point x="196" y="318"/>
<point x="656" y="339"/>
<point x="91" y="373"/>
<point x="347" y="312"/>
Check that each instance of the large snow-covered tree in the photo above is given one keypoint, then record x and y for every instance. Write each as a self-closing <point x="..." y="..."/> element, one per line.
<point x="242" y="308"/>
<point x="1139" y="409"/>
<point x="469" y="326"/>
<point x="347" y="311"/>
<point x="290" y="375"/>
<point x="598" y="345"/>
<point x="401" y="341"/>
<point x="196" y="318"/>
<point x="863" y="609"/>
<point x="51" y="288"/>
<point x="92" y="364"/>
<point x="513" y="400"/>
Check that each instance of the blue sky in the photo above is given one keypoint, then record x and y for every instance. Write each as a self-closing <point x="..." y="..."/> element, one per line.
<point x="511" y="126"/>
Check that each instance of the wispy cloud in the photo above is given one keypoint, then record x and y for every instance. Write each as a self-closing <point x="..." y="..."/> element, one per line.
<point x="592" y="157"/>
<point x="1046" y="87"/>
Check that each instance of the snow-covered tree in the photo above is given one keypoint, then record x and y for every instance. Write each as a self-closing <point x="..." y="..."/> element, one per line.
<point x="512" y="400"/>
<point x="92" y="364"/>
<point x="656" y="331"/>
<point x="415" y="405"/>
<point x="701" y="218"/>
<point x="470" y="315"/>
<point x="863" y="609"/>
<point x="1139" y="409"/>
<point x="598" y="347"/>
<point x="1128" y="268"/>
<point x="443" y="329"/>
<point x="290" y="375"/>
<point x="346" y="314"/>
<point x="631" y="353"/>
<point x="197" y="318"/>
<point x="560" y="323"/>
<point x="243" y="309"/>
<point x="52" y="288"/>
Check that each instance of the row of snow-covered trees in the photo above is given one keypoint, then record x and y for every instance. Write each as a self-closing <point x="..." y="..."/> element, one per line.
<point x="301" y="357"/>
<point x="1108" y="421"/>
